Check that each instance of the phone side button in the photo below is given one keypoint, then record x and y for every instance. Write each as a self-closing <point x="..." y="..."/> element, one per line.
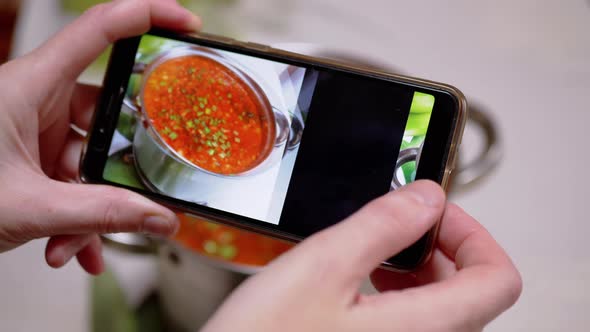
<point x="100" y="141"/>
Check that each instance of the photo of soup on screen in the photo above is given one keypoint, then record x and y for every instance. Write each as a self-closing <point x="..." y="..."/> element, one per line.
<point x="211" y="127"/>
<point x="224" y="130"/>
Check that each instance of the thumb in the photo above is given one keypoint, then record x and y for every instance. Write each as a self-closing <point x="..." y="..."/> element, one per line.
<point x="350" y="250"/>
<point x="83" y="209"/>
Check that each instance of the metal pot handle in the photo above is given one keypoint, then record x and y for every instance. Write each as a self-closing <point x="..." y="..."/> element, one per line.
<point x="291" y="134"/>
<point x="471" y="173"/>
<point x="288" y="133"/>
<point x="405" y="156"/>
<point x="131" y="243"/>
<point x="282" y="124"/>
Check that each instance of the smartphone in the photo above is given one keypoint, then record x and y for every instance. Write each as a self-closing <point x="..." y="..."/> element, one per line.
<point x="264" y="139"/>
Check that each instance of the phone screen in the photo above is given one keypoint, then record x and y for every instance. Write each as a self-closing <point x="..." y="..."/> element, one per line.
<point x="294" y="146"/>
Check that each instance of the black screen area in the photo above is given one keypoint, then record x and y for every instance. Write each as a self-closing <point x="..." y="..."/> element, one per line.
<point x="349" y="150"/>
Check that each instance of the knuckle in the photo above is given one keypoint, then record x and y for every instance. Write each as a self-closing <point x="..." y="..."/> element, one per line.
<point x="109" y="219"/>
<point x="388" y="214"/>
<point x="318" y="255"/>
<point x="111" y="214"/>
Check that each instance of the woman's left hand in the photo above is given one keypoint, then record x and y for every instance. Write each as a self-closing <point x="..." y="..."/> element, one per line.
<point x="39" y="100"/>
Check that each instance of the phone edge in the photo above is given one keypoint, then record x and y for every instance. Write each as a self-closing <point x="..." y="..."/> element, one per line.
<point x="450" y="163"/>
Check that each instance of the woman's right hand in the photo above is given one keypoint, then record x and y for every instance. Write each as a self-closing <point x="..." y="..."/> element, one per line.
<point x="315" y="287"/>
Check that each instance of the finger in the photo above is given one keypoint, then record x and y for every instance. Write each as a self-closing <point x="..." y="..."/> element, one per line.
<point x="82" y="105"/>
<point x="438" y="268"/>
<point x="68" y="165"/>
<point x="90" y="257"/>
<point x="486" y="284"/>
<point x="106" y="23"/>
<point x="61" y="248"/>
<point x="350" y="250"/>
<point x="81" y="209"/>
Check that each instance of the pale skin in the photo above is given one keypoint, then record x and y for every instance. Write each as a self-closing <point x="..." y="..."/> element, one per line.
<point x="315" y="287"/>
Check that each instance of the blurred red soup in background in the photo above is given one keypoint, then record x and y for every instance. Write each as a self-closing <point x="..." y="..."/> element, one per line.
<point x="227" y="243"/>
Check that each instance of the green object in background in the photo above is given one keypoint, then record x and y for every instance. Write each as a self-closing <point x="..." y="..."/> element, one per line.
<point x="151" y="46"/>
<point x="118" y="171"/>
<point x="416" y="128"/>
<point x="79" y="6"/>
<point x="409" y="170"/>
<point x="422" y="103"/>
<point x="126" y="125"/>
<point x="110" y="311"/>
<point x="420" y="113"/>
<point x="417" y="124"/>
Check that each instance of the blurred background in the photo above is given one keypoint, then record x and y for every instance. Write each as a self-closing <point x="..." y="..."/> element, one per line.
<point x="525" y="65"/>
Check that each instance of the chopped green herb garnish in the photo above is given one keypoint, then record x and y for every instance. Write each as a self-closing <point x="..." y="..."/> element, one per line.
<point x="210" y="247"/>
<point x="228" y="252"/>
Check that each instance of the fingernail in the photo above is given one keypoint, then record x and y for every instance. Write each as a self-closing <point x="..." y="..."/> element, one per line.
<point x="57" y="258"/>
<point x="426" y="193"/>
<point x="159" y="225"/>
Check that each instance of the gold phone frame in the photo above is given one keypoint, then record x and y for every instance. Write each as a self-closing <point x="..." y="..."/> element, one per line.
<point x="450" y="162"/>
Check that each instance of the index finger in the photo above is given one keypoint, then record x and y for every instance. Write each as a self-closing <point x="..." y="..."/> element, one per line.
<point x="80" y="43"/>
